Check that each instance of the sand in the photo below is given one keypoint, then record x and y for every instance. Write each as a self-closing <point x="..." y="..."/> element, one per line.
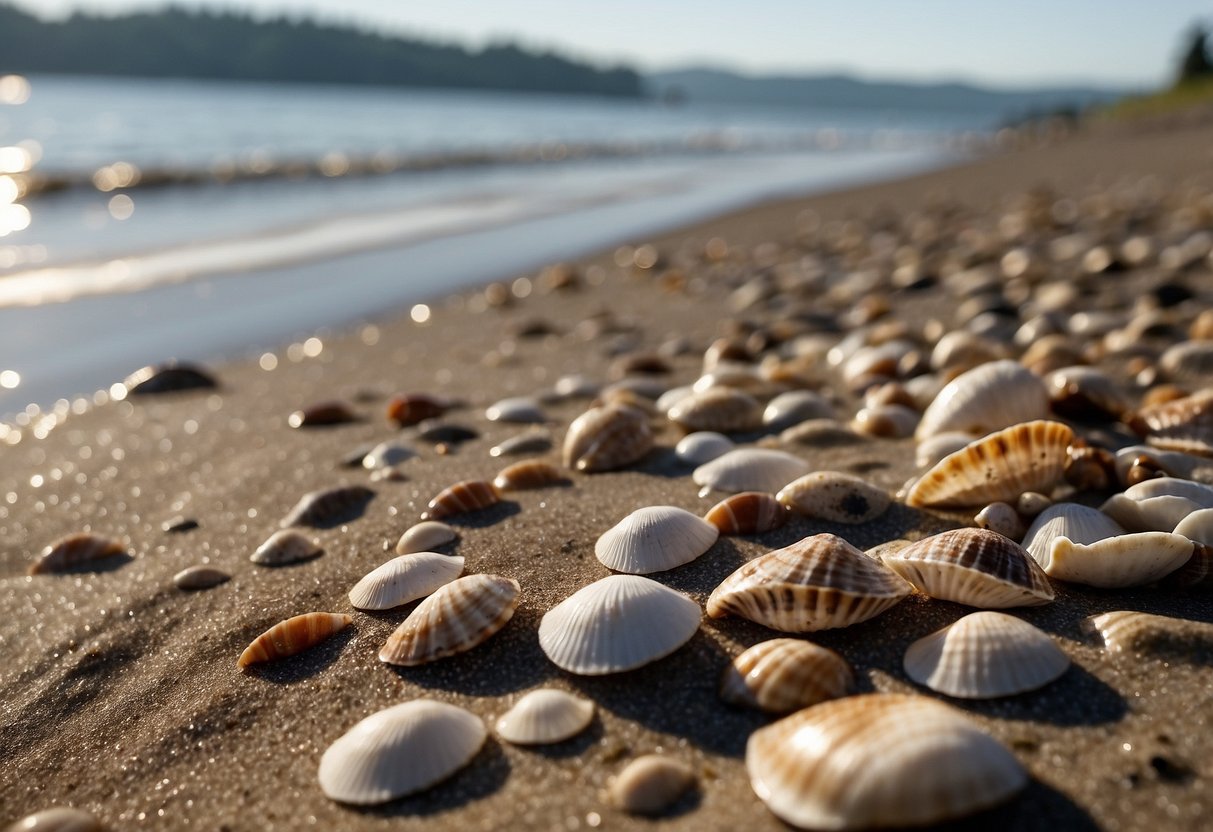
<point x="121" y="693"/>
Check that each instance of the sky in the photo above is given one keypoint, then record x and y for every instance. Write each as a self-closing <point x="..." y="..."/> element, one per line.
<point x="1115" y="43"/>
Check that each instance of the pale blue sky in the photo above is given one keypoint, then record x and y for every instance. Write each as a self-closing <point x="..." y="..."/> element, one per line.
<point x="1026" y="42"/>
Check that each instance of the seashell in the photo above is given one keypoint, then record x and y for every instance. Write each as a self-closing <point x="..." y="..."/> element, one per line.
<point x="1001" y="518"/>
<point x="75" y="551"/>
<point x="1161" y="463"/>
<point x="985" y="399"/>
<point x="985" y="655"/>
<point x="330" y="507"/>
<point x="200" y="577"/>
<point x="1197" y="526"/>
<point x="720" y="409"/>
<point x="648" y="389"/>
<point x="286" y="638"/>
<point x="445" y="433"/>
<point x="1157" y="504"/>
<point x="386" y="455"/>
<point x="354" y="458"/>
<point x="651" y="784"/>
<point x="654" y="539"/>
<point x="531" y="442"/>
<point x="879" y="760"/>
<point x="1179" y="425"/>
<point x="58" y="819"/>
<point x="1086" y="394"/>
<point x="1089" y="468"/>
<point x="702" y="447"/>
<point x="179" y="524"/>
<point x="1032" y="503"/>
<point x="750" y="512"/>
<point x="461" y="498"/>
<point x="820" y="433"/>
<point x="1003" y="465"/>
<point x="1116" y="562"/>
<point x="459" y="616"/>
<point x="639" y="363"/>
<point x="1188" y="361"/>
<point x="321" y="415"/>
<point x="575" y="386"/>
<point x="1197" y="572"/>
<point x="519" y="410"/>
<point x="1125" y="631"/>
<point x="400" y="751"/>
<point x="168" y="378"/>
<point x="739" y="379"/>
<point x="960" y="350"/>
<point x="750" y="469"/>
<point x="794" y="407"/>
<point x="784" y="675"/>
<point x="1080" y="524"/>
<point x="426" y="535"/>
<point x="405" y="579"/>
<point x="618" y="623"/>
<point x="409" y="409"/>
<point x="934" y="449"/>
<point x="528" y="474"/>
<point x="889" y="421"/>
<point x="818" y="583"/>
<point x="545" y="716"/>
<point x="974" y="567"/>
<point x="606" y="438"/>
<point x="285" y="546"/>
<point x="672" y="397"/>
<point x="834" y="496"/>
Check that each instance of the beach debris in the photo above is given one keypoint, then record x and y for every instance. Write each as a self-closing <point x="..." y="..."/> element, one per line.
<point x="329" y="507"/>
<point x="650" y="784"/>
<point x="168" y="378"/>
<point x="460" y="615"/>
<point x="322" y="414"/>
<point x="1001" y="518"/>
<point x="200" y="577"/>
<point x="1158" y="504"/>
<point x="284" y="547"/>
<point x="403" y="579"/>
<point x="1129" y="631"/>
<point x="545" y="716"/>
<point x="424" y="536"/>
<point x="179" y="524"/>
<point x="606" y="438"/>
<point x="386" y="455"/>
<point x="750" y="512"/>
<point x="76" y="551"/>
<point x="292" y="636"/>
<point x="529" y="474"/>
<point x="718" y="409"/>
<point x="654" y="539"/>
<point x="1178" y="425"/>
<point x="794" y="407"/>
<point x="531" y="442"/>
<point x="412" y="408"/>
<point x="1117" y="562"/>
<point x="702" y="446"/>
<point x="750" y="469"/>
<point x="784" y="675"/>
<point x="987" y="398"/>
<point x="461" y="498"/>
<point x="58" y="819"/>
<point x="834" y="496"/>
<point x="520" y="410"/>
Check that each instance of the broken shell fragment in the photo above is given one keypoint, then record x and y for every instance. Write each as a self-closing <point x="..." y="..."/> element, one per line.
<point x="200" y="577"/>
<point x="459" y="616"/>
<point x="292" y="636"/>
<point x="1116" y="562"/>
<point x="987" y="398"/>
<point x="834" y="496"/>
<point x="651" y="784"/>
<point x="606" y="438"/>
<point x="424" y="537"/>
<point x="461" y="498"/>
<point x="654" y="539"/>
<point x="702" y="446"/>
<point x="285" y="546"/>
<point x="750" y="512"/>
<point x="545" y="716"/>
<point x="404" y="579"/>
<point x="528" y="474"/>
<point x="750" y="469"/>
<point x="329" y="507"/>
<point x="75" y="551"/>
<point x="1080" y="524"/>
<point x="784" y="675"/>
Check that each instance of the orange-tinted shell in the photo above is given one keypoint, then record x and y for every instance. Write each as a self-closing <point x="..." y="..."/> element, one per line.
<point x="409" y="409"/>
<point x="292" y="636"/>
<point x="460" y="498"/>
<point x="784" y="675"/>
<point x="1179" y="425"/>
<point x="457" y="617"/>
<point x="74" y="550"/>
<point x="750" y="512"/>
<point x="527" y="474"/>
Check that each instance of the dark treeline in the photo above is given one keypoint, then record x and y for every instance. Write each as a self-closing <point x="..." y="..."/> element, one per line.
<point x="177" y="43"/>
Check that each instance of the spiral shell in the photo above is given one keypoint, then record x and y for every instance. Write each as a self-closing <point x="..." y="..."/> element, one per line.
<point x="461" y="498"/>
<point x="750" y="512"/>
<point x="404" y="579"/>
<point x="720" y="409"/>
<point x="528" y="474"/>
<point x="424" y="537"/>
<point x="750" y="469"/>
<point x="329" y="507"/>
<point x="784" y="675"/>
<point x="606" y="438"/>
<point x="987" y="398"/>
<point x="834" y="496"/>
<point x="545" y="716"/>
<point x="459" y="616"/>
<point x="74" y="551"/>
<point x="654" y="539"/>
<point x="285" y="546"/>
<point x="286" y="638"/>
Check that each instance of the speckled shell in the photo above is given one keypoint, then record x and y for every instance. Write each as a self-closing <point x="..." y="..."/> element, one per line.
<point x="606" y="438"/>
<point x="518" y="410"/>
<point x="750" y="469"/>
<point x="200" y="577"/>
<point x="1158" y="504"/>
<point x="545" y="716"/>
<point x="329" y="507"/>
<point x="702" y="447"/>
<point x="750" y="512"/>
<point x="1126" y="631"/>
<point x="1179" y="425"/>
<point x="399" y="751"/>
<point x="615" y="624"/>
<point x="879" y="760"/>
<point x="1079" y="523"/>
<point x="531" y="442"/>
<point x="404" y="579"/>
<point x="720" y="409"/>
<point x="1127" y="560"/>
<point x="983" y="656"/>
<point x="59" y="819"/>
<point x="74" y="551"/>
<point x="425" y="536"/>
<point x="286" y="638"/>
<point x="654" y="539"/>
<point x="834" y="496"/>
<point x="284" y="547"/>
<point x="385" y="455"/>
<point x="985" y="399"/>
<point x="457" y="617"/>
<point x="784" y="675"/>
<point x="461" y="498"/>
<point x="794" y="407"/>
<point x="409" y="409"/>
<point x="818" y="583"/>
<point x="528" y="474"/>
<point x="650" y="784"/>
<point x="975" y="567"/>
<point x="1003" y="465"/>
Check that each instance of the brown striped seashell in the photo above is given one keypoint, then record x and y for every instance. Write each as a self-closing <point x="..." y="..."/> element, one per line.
<point x="650" y="784"/>
<point x="285" y="546"/>
<point x="1079" y="523"/>
<point x="286" y="638"/>
<point x="456" y="618"/>
<point x="750" y="512"/>
<point x="461" y="498"/>
<point x="170" y="377"/>
<point x="1118" y="562"/>
<point x="529" y="474"/>
<point x="606" y="438"/>
<point x="879" y="760"/>
<point x="1197" y="572"/>
<point x="424" y="537"/>
<point x="985" y="399"/>
<point x="834" y="496"/>
<point x="1125" y="631"/>
<point x="784" y="675"/>
<point x="321" y="415"/>
<point x="654" y="539"/>
<point x="330" y="507"/>
<point x="409" y="409"/>
<point x="750" y="469"/>
<point x="200" y="577"/>
<point x="720" y="409"/>
<point x="975" y="567"/>
<point x="818" y="583"/>
<point x="75" y="551"/>
<point x="403" y="579"/>
<point x="1180" y="425"/>
<point x="1003" y="465"/>
<point x="59" y="819"/>
<point x="545" y="716"/>
<point x="1001" y="518"/>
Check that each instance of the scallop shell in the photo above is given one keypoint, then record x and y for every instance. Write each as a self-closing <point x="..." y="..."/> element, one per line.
<point x="1157" y="504"/>
<point x="933" y="449"/>
<point x="605" y="438"/>
<point x="425" y="536"/>
<point x="702" y="446"/>
<point x="531" y="442"/>
<point x="399" y="751"/>
<point x="58" y="819"/>
<point x="200" y="577"/>
<point x="1001" y="518"/>
<point x="654" y="539"/>
<point x="285" y="546"/>
<point x="750" y="512"/>
<point x="329" y="507"/>
<point x="975" y="567"/>
<point x="879" y="760"/>
<point x="545" y="716"/>
<point x="168" y="378"/>
<point x="1003" y="465"/>
<point x="459" y="616"/>
<point x="286" y="638"/>
<point x="983" y="656"/>
<point x="517" y="410"/>
<point x="1179" y="425"/>
<point x="74" y="551"/>
<point x="651" y="784"/>
<point x="404" y="579"/>
<point x="461" y="498"/>
<point x="322" y="414"/>
<point x="1126" y="560"/>
<point x="818" y="583"/>
<point x="618" y="623"/>
<point x="409" y="409"/>
<point x="750" y="469"/>
<point x="385" y="455"/>
<point x="985" y="399"/>
<point x="528" y="474"/>
<point x="784" y="675"/>
<point x="794" y="407"/>
<point x="834" y="496"/>
<point x="1079" y="523"/>
<point x="720" y="409"/>
<point x="1127" y="631"/>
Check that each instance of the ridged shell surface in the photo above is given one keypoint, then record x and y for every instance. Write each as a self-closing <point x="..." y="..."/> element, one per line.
<point x="650" y="784"/>
<point x="1129" y="631"/>
<point x="59" y="819"/>
<point x="424" y="536"/>
<point x="400" y="751"/>
<point x="987" y="398"/>
<point x="784" y="675"/>
<point x="1079" y="523"/>
<point x="457" y="617"/>
<point x="818" y="583"/>
<point x="329" y="507"/>
<point x="750" y="469"/>
<point x="461" y="498"/>
<point x="983" y="656"/>
<point x="606" y="438"/>
<point x="404" y="579"/>
<point x="284" y="547"/>
<point x="615" y="624"/>
<point x="879" y="760"/>
<point x="545" y="716"/>
<point x="976" y="567"/>
<point x="834" y="496"/>
<point x="528" y="474"/>
<point x="702" y="447"/>
<point x="200" y="577"/>
<point x="286" y="638"/>
<point x="654" y="539"/>
<point x="750" y="512"/>
<point x="1179" y="425"/>
<point x="1116" y="562"/>
<point x="73" y="551"/>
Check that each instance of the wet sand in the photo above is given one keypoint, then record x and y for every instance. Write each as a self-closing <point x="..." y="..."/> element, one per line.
<point x="121" y="693"/>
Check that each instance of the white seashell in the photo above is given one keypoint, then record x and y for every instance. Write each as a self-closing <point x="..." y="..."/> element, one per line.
<point x="794" y="407"/>
<point x="1079" y="523"/>
<point x="405" y="579"/>
<point x="400" y="751"/>
<point x="424" y="536"/>
<point x="983" y="656"/>
<point x="1158" y="504"/>
<point x="702" y="446"/>
<point x="459" y="616"/>
<point x="654" y="539"/>
<point x="834" y="496"/>
<point x="386" y="455"/>
<point x="1197" y="526"/>
<point x="545" y="716"/>
<point x="1127" y="560"/>
<point x="616" y="624"/>
<point x="576" y="386"/>
<point x="985" y="399"/>
<point x="1001" y="518"/>
<point x="651" y="784"/>
<point x="285" y="546"/>
<point x="934" y="448"/>
<point x="519" y="410"/>
<point x="672" y="397"/>
<point x="784" y="675"/>
<point x="58" y="819"/>
<point x="750" y="469"/>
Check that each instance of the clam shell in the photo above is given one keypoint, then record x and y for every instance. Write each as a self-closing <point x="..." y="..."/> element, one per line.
<point x="1197" y="526"/>
<point x="1179" y="425"/>
<point x="329" y="507"/>
<point x="890" y="421"/>
<point x="750" y="469"/>
<point x="794" y="407"/>
<point x="983" y="656"/>
<point x="285" y="546"/>
<point x="834" y="496"/>
<point x="528" y="474"/>
<point x="59" y="819"/>
<point x="461" y="498"/>
<point x="654" y="539"/>
<point x="606" y="438"/>
<point x="878" y="760"/>
<point x="985" y="399"/>
<point x="1125" y="631"/>
<point x="820" y="433"/>
<point x="784" y="675"/>
<point x="818" y="583"/>
<point x="200" y="577"/>
<point x="702" y="446"/>
<point x="399" y="751"/>
<point x="409" y="409"/>
<point x="1126" y="560"/>
<point x="1001" y="518"/>
<point x="286" y="638"/>
<point x="615" y="624"/>
<point x="720" y="409"/>
<point x="1079" y="523"/>
<point x="322" y="414"/>
<point x="74" y="551"/>
<point x="1003" y="465"/>
<point x="934" y="449"/>
<point x="518" y="410"/>
<point x="650" y="784"/>
<point x="1157" y="504"/>
<point x="545" y="716"/>
<point x="459" y="616"/>
<point x="385" y="455"/>
<point x="531" y="442"/>
<point x="972" y="566"/>
<point x="404" y="579"/>
<point x="424" y="536"/>
<point x="750" y="512"/>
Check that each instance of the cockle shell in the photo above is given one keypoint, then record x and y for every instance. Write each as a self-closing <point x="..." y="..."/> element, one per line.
<point x="59" y="819"/>
<point x="750" y="469"/>
<point x="286" y="638"/>
<point x="615" y="624"/>
<point x="983" y="656"/>
<point x="322" y="414"/>
<point x="545" y="716"/>
<point x="1002" y="518"/>
<point x="985" y="399"/>
<point x="399" y="751"/>
<point x="385" y="455"/>
<point x="750" y="512"/>
<point x="1158" y="504"/>
<point x="459" y="616"/>
<point x="461" y="498"/>
<point x="818" y="583"/>
<point x="784" y="675"/>
<point x="720" y="409"/>
<point x="1179" y="425"/>
<point x="605" y="438"/>
<point x="74" y="551"/>
<point x="200" y="577"/>
<point x="1126" y="631"/>
<point x="878" y="760"/>
<point x="1003" y="465"/>
<point x="654" y="539"/>
<point x="1080" y="524"/>
<point x="425" y="536"/>
<point x="976" y="567"/>
<point x="409" y="409"/>
<point x="650" y="784"/>
<point x="702" y="447"/>
<point x="518" y="410"/>
<point x="834" y="496"/>
<point x="794" y="407"/>
<point x="528" y="474"/>
<point x="1126" y="560"/>
<point x="329" y="507"/>
<point x="404" y="579"/>
<point x="285" y="546"/>
<point x="531" y="442"/>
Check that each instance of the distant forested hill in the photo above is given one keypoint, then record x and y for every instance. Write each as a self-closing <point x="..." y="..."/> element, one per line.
<point x="175" y="43"/>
